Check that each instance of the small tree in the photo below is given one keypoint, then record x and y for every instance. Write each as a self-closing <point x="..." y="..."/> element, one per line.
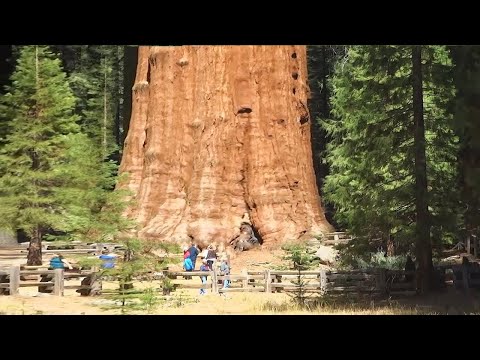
<point x="140" y="262"/>
<point x="301" y="260"/>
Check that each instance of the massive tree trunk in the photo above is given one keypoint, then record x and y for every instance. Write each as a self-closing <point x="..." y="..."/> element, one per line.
<point x="423" y="244"/>
<point x="218" y="135"/>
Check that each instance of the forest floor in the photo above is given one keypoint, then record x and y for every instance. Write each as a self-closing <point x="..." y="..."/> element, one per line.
<point x="189" y="302"/>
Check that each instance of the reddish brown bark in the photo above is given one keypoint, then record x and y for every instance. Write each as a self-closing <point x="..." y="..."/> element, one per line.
<point x="219" y="134"/>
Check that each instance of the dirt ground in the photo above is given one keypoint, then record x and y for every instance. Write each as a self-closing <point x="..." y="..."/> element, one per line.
<point x="189" y="302"/>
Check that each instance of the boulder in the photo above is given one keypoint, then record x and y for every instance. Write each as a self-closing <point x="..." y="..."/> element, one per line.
<point x="326" y="254"/>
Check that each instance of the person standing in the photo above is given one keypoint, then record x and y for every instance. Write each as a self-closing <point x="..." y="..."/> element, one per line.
<point x="204" y="267"/>
<point x="225" y="271"/>
<point x="211" y="256"/>
<point x="193" y="250"/>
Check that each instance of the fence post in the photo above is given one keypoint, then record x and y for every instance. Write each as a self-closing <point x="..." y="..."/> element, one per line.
<point x="213" y="274"/>
<point x="465" y="276"/>
<point x="475" y="246"/>
<point x="245" y="281"/>
<point x="382" y="281"/>
<point x="323" y="282"/>
<point x="58" y="282"/>
<point x="268" y="281"/>
<point x="14" y="279"/>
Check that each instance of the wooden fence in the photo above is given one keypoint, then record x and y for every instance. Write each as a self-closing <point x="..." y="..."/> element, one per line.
<point x="375" y="281"/>
<point x="50" y="281"/>
<point x="380" y="281"/>
<point x="21" y="251"/>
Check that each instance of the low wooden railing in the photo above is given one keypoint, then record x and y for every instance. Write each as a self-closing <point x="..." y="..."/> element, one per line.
<point x="46" y="280"/>
<point x="359" y="281"/>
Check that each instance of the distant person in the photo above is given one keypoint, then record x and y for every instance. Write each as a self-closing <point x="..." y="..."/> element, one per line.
<point x="211" y="256"/>
<point x="193" y="250"/>
<point x="186" y="253"/>
<point x="204" y="267"/>
<point x="225" y="270"/>
<point x="58" y="262"/>
<point x="108" y="259"/>
<point x="187" y="262"/>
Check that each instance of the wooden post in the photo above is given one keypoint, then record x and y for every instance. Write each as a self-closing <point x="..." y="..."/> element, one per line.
<point x="58" y="282"/>
<point x="475" y="246"/>
<point x="245" y="281"/>
<point x="213" y="275"/>
<point x="382" y="281"/>
<point x="465" y="276"/>
<point x="14" y="279"/>
<point x="268" y="281"/>
<point x="323" y="282"/>
<point x="467" y="244"/>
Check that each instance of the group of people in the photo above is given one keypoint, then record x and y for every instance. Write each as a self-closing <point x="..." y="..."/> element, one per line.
<point x="191" y="253"/>
<point x="209" y="258"/>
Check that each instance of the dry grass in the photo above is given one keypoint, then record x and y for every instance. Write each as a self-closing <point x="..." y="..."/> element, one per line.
<point x="189" y="302"/>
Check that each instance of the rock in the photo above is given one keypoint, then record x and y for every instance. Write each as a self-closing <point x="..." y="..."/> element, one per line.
<point x="326" y="254"/>
<point x="223" y="139"/>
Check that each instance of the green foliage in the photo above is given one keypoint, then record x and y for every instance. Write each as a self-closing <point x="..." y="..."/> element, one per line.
<point x="93" y="212"/>
<point x="55" y="177"/>
<point x="299" y="256"/>
<point x="374" y="261"/>
<point x="301" y="259"/>
<point x="139" y="264"/>
<point x="96" y="77"/>
<point x="321" y="60"/>
<point x="40" y="107"/>
<point x="370" y="152"/>
<point x="467" y="127"/>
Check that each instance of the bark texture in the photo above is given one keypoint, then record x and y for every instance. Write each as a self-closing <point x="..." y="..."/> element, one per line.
<point x="220" y="135"/>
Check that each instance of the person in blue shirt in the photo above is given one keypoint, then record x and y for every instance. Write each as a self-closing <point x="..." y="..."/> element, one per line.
<point x="108" y="259"/>
<point x="58" y="262"/>
<point x="225" y="270"/>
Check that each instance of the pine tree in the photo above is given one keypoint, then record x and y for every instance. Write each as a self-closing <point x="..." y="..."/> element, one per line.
<point x="371" y="154"/>
<point x="92" y="210"/>
<point x="96" y="77"/>
<point x="467" y="127"/>
<point x="321" y="64"/>
<point x="41" y="104"/>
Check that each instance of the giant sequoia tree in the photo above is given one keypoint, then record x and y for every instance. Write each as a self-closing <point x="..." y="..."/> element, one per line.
<point x="220" y="134"/>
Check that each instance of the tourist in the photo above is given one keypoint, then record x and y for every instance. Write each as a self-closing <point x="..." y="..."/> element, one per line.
<point x="58" y="262"/>
<point x="204" y="267"/>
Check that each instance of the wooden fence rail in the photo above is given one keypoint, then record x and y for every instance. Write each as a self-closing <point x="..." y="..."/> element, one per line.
<point x="361" y="281"/>
<point x="46" y="280"/>
<point x="372" y="281"/>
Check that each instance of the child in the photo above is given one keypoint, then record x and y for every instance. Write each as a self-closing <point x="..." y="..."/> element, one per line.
<point x="108" y="259"/>
<point x="225" y="270"/>
<point x="204" y="267"/>
<point x="187" y="262"/>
